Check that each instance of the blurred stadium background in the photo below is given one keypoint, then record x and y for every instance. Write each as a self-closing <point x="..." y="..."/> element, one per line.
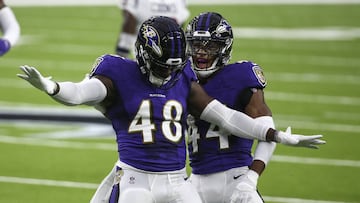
<point x="310" y="52"/>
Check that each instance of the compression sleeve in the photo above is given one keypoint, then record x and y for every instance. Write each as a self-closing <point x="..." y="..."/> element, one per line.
<point x="90" y="92"/>
<point x="235" y="122"/>
<point x="9" y="25"/>
<point x="265" y="150"/>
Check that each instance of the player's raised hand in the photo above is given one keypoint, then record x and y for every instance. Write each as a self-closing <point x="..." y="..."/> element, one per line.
<point x="309" y="141"/>
<point x="35" y="78"/>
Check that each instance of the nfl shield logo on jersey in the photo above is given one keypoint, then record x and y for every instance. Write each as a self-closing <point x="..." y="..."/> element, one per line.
<point x="260" y="75"/>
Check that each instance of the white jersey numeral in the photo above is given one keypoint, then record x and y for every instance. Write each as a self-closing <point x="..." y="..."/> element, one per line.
<point x="142" y="122"/>
<point x="172" y="114"/>
<point x="170" y="126"/>
<point x="212" y="133"/>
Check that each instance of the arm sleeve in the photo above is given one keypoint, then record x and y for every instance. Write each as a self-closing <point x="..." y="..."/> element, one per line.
<point x="235" y="122"/>
<point x="90" y="92"/>
<point x="265" y="150"/>
<point x="9" y="25"/>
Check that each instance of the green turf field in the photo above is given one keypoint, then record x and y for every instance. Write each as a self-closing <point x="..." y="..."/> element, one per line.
<point x="313" y="86"/>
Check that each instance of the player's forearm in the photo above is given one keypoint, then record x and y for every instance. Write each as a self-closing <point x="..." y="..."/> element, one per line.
<point x="88" y="92"/>
<point x="264" y="150"/>
<point x="263" y="154"/>
<point x="257" y="166"/>
<point x="237" y="123"/>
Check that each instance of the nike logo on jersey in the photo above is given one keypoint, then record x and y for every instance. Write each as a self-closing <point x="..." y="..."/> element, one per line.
<point x="236" y="177"/>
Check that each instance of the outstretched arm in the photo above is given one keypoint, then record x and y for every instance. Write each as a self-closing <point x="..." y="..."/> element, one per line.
<point x="90" y="91"/>
<point x="241" y="125"/>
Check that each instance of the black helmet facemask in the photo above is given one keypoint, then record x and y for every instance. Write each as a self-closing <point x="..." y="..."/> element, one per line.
<point x="160" y="50"/>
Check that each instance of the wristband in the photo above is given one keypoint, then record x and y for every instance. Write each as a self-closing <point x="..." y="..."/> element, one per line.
<point x="56" y="90"/>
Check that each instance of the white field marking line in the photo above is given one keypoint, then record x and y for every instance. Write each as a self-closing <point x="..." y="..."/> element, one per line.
<point x="72" y="184"/>
<point x="309" y="125"/>
<point x="313" y="77"/>
<point x="30" y="109"/>
<point x="315" y="161"/>
<point x="112" y="147"/>
<point x="46" y="65"/>
<point x="295" y="200"/>
<point x="56" y="143"/>
<point x="283" y="76"/>
<point x="60" y="130"/>
<point x="29" y="39"/>
<point x="292" y="97"/>
<point x="190" y="2"/>
<point x="87" y="131"/>
<point x="302" y="33"/>
<point x="312" y="98"/>
<point x="67" y="48"/>
<point x="14" y="83"/>
<point x="62" y="3"/>
<point x="327" y="62"/>
<point x="342" y="115"/>
<point x="317" y="33"/>
<point x="251" y="2"/>
<point x="325" y="33"/>
<point x="45" y="108"/>
<point x="47" y="182"/>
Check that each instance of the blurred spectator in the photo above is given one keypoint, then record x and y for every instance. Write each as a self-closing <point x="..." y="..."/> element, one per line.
<point x="9" y="27"/>
<point x="136" y="11"/>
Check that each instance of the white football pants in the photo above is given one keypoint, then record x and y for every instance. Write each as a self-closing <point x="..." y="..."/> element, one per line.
<point x="219" y="187"/>
<point x="133" y="186"/>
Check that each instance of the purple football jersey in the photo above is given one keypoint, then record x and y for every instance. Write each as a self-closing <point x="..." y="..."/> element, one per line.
<point x="149" y="122"/>
<point x="212" y="149"/>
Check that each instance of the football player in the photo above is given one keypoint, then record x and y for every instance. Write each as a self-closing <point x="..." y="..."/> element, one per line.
<point x="9" y="27"/>
<point x="223" y="169"/>
<point x="135" y="12"/>
<point x="147" y="102"/>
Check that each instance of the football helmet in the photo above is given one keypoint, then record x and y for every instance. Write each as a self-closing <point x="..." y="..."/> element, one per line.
<point x="160" y="50"/>
<point x="209" y="37"/>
